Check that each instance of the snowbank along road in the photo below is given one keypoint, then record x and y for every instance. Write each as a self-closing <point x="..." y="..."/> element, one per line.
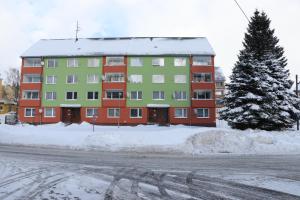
<point x="45" y="173"/>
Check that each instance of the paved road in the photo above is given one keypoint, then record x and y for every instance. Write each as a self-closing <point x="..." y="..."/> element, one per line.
<point x="48" y="173"/>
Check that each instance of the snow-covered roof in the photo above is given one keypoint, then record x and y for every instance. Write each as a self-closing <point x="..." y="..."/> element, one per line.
<point x="120" y="46"/>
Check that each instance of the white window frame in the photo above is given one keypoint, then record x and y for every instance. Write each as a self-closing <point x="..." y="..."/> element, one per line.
<point x="72" y="62"/>
<point x="181" y="96"/>
<point x="115" y="77"/>
<point x="73" y="95"/>
<point x="180" y="62"/>
<point x="53" y="94"/>
<point x="94" y="111"/>
<point x="55" y="62"/>
<point x="53" y="112"/>
<point x="197" y="91"/>
<point x="202" y="63"/>
<point x="113" y="63"/>
<point x="95" y="79"/>
<point x="53" y="78"/>
<point x="36" y="62"/>
<point x="138" y="78"/>
<point x="24" y="91"/>
<point x="112" y="90"/>
<point x="184" y="113"/>
<point x="197" y="111"/>
<point x="94" y="95"/>
<point x="160" y="94"/>
<point x="115" y="112"/>
<point x="139" y="113"/>
<point x="158" y="62"/>
<point x="31" y="112"/>
<point x="137" y="95"/>
<point x="74" y="79"/>
<point x="158" y="78"/>
<point x="32" y="76"/>
<point x="93" y="62"/>
<point x="180" y="78"/>
<point x="202" y="78"/>
<point x="136" y="62"/>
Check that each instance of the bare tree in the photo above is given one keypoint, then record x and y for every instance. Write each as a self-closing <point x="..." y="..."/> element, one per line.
<point x="13" y="79"/>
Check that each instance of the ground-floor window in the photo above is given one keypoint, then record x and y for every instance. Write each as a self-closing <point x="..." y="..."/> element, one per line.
<point x="202" y="112"/>
<point x="135" y="113"/>
<point x="180" y="112"/>
<point x="29" y="112"/>
<point x="49" y="112"/>
<point x="91" y="112"/>
<point x="113" y="112"/>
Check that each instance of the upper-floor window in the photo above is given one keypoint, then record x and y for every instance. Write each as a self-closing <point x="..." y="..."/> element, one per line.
<point x="158" y="78"/>
<point x="91" y="112"/>
<point x="179" y="62"/>
<point x="180" y="113"/>
<point x="220" y="92"/>
<point x="31" y="78"/>
<point x="202" y="94"/>
<point x="72" y="79"/>
<point x="136" y="62"/>
<point x="220" y="84"/>
<point x="136" y="78"/>
<point x="30" y="94"/>
<point x="136" y="95"/>
<point x="115" y="60"/>
<point x="50" y="95"/>
<point x="93" y="62"/>
<point x="52" y="63"/>
<point x="202" y="60"/>
<point x="72" y="62"/>
<point x="92" y="78"/>
<point x="51" y="79"/>
<point x="32" y="62"/>
<point x="180" y="79"/>
<point x="160" y="62"/>
<point x="158" y="95"/>
<point x="92" y="95"/>
<point x="71" y="95"/>
<point x="114" y="94"/>
<point x="49" y="112"/>
<point x="202" y="77"/>
<point x="114" y="77"/>
<point x="29" y="112"/>
<point x="179" y="95"/>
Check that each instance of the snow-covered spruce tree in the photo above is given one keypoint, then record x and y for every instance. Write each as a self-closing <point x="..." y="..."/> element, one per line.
<point x="259" y="93"/>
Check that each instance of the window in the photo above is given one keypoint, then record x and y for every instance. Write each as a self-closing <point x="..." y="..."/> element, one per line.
<point x="180" y="79"/>
<point x="71" y="95"/>
<point x="202" y="77"/>
<point x="158" y="95"/>
<point x="51" y="79"/>
<point x="202" y="94"/>
<point x="202" y="113"/>
<point x="114" y="77"/>
<point x="135" y="113"/>
<point x="52" y="63"/>
<point x="49" y="112"/>
<point x="136" y="95"/>
<point x="30" y="94"/>
<point x="202" y="60"/>
<point x="179" y="62"/>
<point x="136" y="62"/>
<point x="72" y="79"/>
<point x="29" y="112"/>
<point x="91" y="112"/>
<point x="92" y="78"/>
<point x="113" y="112"/>
<point x="50" y="95"/>
<point x="220" y="84"/>
<point x="93" y="62"/>
<point x="158" y="78"/>
<point x="32" y="62"/>
<point x="72" y="62"/>
<point x="220" y="92"/>
<point x="180" y="112"/>
<point x="92" y="95"/>
<point x="135" y="78"/>
<point x="31" y="78"/>
<point x="114" y="94"/>
<point x="219" y="102"/>
<point x="180" y="95"/>
<point x="116" y="60"/>
<point x="160" y="62"/>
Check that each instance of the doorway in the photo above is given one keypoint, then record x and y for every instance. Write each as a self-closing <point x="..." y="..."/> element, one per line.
<point x="70" y="115"/>
<point x="158" y="116"/>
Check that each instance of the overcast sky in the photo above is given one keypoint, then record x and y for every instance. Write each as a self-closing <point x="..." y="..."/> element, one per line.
<point x="23" y="22"/>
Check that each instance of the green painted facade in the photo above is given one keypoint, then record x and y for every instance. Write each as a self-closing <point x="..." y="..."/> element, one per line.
<point x="169" y="87"/>
<point x="81" y="87"/>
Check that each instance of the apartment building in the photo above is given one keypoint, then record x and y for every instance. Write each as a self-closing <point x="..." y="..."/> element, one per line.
<point x="220" y="88"/>
<point x="124" y="81"/>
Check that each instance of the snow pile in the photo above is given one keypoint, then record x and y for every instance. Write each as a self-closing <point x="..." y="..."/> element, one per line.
<point x="151" y="138"/>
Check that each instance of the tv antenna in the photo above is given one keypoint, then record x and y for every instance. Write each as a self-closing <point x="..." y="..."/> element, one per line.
<point x="76" y="31"/>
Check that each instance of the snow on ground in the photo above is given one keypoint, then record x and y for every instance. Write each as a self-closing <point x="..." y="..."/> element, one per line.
<point x="152" y="138"/>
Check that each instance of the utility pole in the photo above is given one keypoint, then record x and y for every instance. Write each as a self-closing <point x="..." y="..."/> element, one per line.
<point x="297" y="93"/>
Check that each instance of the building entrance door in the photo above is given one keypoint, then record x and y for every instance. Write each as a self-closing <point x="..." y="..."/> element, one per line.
<point x="70" y="115"/>
<point x="158" y="116"/>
